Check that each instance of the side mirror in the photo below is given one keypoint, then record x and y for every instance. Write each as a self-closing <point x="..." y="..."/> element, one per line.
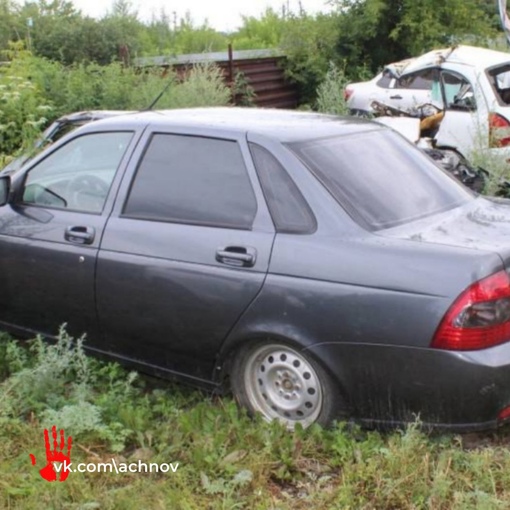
<point x="5" y="189"/>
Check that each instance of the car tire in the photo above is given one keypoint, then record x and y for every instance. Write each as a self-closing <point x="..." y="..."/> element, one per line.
<point x="285" y="383"/>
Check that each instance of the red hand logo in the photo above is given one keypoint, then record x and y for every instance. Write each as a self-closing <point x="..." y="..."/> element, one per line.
<point x="56" y="455"/>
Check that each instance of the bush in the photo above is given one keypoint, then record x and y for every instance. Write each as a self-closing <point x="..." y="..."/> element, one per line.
<point x="23" y="107"/>
<point x="203" y="86"/>
<point x="35" y="91"/>
<point x="58" y="383"/>
<point x="310" y="45"/>
<point x="330" y="94"/>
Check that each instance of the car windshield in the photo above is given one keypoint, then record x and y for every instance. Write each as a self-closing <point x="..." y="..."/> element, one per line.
<point x="380" y="179"/>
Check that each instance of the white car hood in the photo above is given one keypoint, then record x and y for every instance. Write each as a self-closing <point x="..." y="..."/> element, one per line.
<point x="408" y="127"/>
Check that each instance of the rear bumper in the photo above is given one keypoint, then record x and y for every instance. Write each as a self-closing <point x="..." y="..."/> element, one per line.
<point x="391" y="385"/>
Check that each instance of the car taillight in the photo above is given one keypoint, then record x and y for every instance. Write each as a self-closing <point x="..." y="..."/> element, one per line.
<point x="347" y="93"/>
<point x="504" y="414"/>
<point x="499" y="131"/>
<point x="479" y="317"/>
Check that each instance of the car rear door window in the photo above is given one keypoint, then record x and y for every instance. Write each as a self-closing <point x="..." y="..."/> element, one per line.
<point x="194" y="180"/>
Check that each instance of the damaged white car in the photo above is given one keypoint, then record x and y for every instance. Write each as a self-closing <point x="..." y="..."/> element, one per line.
<point x="388" y="87"/>
<point x="468" y="103"/>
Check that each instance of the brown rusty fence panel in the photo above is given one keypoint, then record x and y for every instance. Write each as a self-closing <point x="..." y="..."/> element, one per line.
<point x="267" y="79"/>
<point x="262" y="70"/>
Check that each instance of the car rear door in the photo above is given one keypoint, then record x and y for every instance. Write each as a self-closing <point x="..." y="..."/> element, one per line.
<point x="412" y="90"/>
<point x="50" y="233"/>
<point x="185" y="251"/>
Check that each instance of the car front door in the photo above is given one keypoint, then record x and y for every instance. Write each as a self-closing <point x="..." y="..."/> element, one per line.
<point x="464" y="126"/>
<point x="50" y="234"/>
<point x="185" y="251"/>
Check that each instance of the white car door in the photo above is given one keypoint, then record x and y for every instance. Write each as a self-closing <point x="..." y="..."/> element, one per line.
<point x="464" y="126"/>
<point x="411" y="90"/>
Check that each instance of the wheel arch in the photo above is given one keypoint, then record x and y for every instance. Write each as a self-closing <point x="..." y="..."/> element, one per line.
<point x="277" y="332"/>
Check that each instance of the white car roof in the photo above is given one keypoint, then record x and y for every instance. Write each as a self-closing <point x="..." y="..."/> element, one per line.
<point x="466" y="55"/>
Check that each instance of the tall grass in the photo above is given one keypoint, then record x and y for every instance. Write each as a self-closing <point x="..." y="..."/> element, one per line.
<point x="330" y="94"/>
<point x="226" y="460"/>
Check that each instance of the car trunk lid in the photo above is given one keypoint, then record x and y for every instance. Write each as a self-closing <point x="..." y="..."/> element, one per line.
<point x="483" y="224"/>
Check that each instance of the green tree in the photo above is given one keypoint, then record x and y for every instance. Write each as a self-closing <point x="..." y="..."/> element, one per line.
<point x="309" y="42"/>
<point x="263" y="32"/>
<point x="376" y="32"/>
<point x="11" y="26"/>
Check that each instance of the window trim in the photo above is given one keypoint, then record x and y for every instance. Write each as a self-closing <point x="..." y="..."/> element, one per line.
<point x="124" y="215"/>
<point x="18" y="198"/>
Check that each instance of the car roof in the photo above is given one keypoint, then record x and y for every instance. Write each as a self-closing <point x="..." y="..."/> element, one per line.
<point x="284" y="125"/>
<point x="472" y="56"/>
<point x="90" y="115"/>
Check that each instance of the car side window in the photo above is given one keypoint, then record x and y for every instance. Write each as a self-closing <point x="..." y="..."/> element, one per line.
<point x="79" y="174"/>
<point x="458" y="92"/>
<point x="385" y="80"/>
<point x="289" y="210"/>
<point x="421" y="80"/>
<point x="500" y="80"/>
<point x="193" y="180"/>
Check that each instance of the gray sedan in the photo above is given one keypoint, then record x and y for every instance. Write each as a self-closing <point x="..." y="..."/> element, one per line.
<point x="322" y="268"/>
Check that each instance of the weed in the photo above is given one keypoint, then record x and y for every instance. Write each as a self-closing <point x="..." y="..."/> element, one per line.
<point x="330" y="94"/>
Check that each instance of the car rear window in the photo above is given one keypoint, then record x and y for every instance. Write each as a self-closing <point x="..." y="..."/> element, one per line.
<point x="380" y="179"/>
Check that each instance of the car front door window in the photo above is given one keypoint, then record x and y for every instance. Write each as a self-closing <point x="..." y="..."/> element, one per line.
<point x="78" y="175"/>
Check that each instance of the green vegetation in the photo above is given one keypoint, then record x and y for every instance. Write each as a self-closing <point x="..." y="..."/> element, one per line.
<point x="376" y="32"/>
<point x="35" y="91"/>
<point x="357" y="35"/>
<point x="59" y="60"/>
<point x="226" y="460"/>
<point x="330" y="94"/>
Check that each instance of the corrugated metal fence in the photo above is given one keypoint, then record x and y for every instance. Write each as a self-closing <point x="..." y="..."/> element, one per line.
<point x="262" y="71"/>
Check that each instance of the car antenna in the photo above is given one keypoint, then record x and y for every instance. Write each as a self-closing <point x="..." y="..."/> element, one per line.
<point x="158" y="97"/>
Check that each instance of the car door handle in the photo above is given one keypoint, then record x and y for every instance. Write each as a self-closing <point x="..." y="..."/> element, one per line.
<point x="80" y="235"/>
<point x="395" y="97"/>
<point x="237" y="256"/>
